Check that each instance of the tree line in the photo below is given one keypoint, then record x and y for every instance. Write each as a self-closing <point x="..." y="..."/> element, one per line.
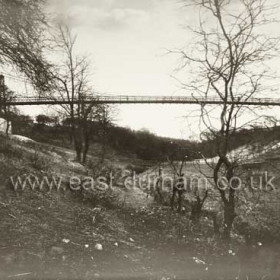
<point x="228" y="58"/>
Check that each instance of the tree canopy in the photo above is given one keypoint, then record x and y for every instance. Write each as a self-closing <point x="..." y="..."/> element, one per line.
<point x="22" y="25"/>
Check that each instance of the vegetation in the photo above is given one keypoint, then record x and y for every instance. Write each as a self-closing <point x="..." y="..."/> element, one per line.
<point x="228" y="59"/>
<point x="144" y="144"/>
<point x="6" y="112"/>
<point x="55" y="232"/>
<point x="22" y="25"/>
<point x="132" y="230"/>
<point x="71" y="82"/>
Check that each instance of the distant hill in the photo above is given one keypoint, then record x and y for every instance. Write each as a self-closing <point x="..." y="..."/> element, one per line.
<point x="140" y="144"/>
<point x="144" y="144"/>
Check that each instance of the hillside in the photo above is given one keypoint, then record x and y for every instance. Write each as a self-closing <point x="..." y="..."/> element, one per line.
<point x="45" y="234"/>
<point x="144" y="144"/>
<point x="118" y="234"/>
<point x="141" y="144"/>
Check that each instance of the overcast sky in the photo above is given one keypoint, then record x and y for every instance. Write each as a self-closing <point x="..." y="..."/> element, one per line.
<point x="127" y="41"/>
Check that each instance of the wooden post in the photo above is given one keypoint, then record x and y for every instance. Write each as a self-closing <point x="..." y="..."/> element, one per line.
<point x="2" y="92"/>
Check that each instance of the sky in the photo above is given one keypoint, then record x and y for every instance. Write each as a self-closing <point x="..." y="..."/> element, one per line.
<point x="127" y="42"/>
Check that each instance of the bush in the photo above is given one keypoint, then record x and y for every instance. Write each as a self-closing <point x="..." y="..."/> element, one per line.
<point x="39" y="161"/>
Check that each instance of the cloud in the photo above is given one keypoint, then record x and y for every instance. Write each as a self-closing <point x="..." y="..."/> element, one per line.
<point x="110" y="15"/>
<point x="114" y="4"/>
<point x="134" y="4"/>
<point x="119" y="18"/>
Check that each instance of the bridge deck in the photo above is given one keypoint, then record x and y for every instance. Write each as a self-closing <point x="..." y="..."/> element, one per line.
<point x="126" y="99"/>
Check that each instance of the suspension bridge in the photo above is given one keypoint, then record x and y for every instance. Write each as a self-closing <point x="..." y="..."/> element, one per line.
<point x="130" y="99"/>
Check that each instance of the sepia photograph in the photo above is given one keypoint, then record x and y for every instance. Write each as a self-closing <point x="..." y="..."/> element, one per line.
<point x="139" y="140"/>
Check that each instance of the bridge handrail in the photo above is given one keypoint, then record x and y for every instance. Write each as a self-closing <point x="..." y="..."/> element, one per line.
<point x="148" y="99"/>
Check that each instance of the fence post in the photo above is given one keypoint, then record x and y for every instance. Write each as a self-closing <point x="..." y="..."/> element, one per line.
<point x="2" y="92"/>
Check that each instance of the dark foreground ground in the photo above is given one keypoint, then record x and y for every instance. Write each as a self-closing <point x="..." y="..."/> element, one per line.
<point x="118" y="235"/>
<point x="44" y="237"/>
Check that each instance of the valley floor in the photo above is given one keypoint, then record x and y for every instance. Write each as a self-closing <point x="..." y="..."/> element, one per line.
<point x="69" y="235"/>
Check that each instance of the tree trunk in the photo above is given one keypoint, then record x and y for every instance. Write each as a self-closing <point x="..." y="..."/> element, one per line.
<point x="8" y="127"/>
<point x="78" y="155"/>
<point x="180" y="200"/>
<point x="229" y="216"/>
<point x="173" y="199"/>
<point x="197" y="208"/>
<point x="196" y="212"/>
<point x="70" y="137"/>
<point x="78" y="148"/>
<point x="216" y="225"/>
<point x="158" y="194"/>
<point x="85" y="150"/>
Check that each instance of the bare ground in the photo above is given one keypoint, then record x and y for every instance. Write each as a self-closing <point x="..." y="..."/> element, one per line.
<point x="53" y="235"/>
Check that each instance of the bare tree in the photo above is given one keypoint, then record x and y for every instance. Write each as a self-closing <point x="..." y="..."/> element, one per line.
<point x="228" y="61"/>
<point x="179" y="186"/>
<point x="6" y="111"/>
<point x="200" y="195"/>
<point x="73" y="85"/>
<point x="70" y="83"/>
<point x="158" y="196"/>
<point x="103" y="115"/>
<point x="22" y="29"/>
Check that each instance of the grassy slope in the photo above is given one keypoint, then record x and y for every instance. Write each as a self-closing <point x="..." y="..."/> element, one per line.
<point x="152" y="242"/>
<point x="34" y="223"/>
<point x="258" y="210"/>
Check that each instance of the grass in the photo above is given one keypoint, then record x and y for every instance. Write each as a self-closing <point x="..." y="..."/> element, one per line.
<point x="52" y="235"/>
